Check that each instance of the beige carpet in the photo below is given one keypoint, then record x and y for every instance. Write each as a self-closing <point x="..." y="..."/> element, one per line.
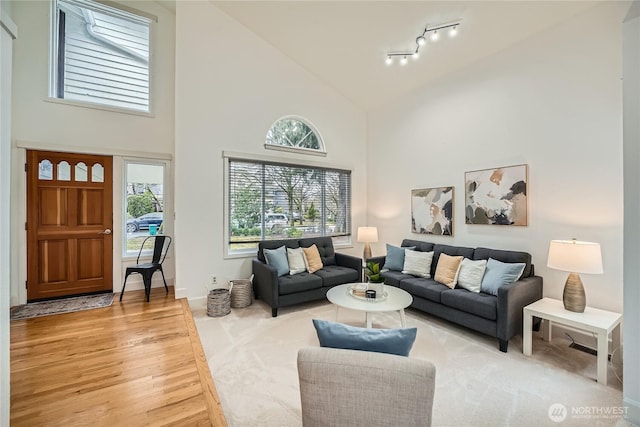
<point x="252" y="357"/>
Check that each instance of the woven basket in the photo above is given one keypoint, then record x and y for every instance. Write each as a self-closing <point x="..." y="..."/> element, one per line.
<point x="218" y="303"/>
<point x="241" y="293"/>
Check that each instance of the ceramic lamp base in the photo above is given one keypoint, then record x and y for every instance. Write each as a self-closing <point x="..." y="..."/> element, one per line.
<point x="367" y="252"/>
<point x="573" y="296"/>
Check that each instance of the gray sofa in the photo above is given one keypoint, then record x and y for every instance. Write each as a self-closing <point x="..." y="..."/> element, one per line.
<point x="498" y="316"/>
<point x="302" y="287"/>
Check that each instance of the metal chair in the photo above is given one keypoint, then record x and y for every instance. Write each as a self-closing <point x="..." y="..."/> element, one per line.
<point x="160" y="251"/>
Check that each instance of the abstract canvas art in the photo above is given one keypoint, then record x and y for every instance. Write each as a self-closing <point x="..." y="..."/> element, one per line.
<point x="432" y="211"/>
<point x="496" y="196"/>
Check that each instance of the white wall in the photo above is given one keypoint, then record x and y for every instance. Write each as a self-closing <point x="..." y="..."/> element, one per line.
<point x="8" y="32"/>
<point x="41" y="124"/>
<point x="631" y="76"/>
<point x="553" y="102"/>
<point x="230" y="88"/>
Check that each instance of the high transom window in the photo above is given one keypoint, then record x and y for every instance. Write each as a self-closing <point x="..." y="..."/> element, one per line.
<point x="294" y="134"/>
<point x="271" y="201"/>
<point x="100" y="55"/>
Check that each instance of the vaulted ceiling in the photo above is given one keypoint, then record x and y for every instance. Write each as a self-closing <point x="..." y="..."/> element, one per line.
<point x="344" y="42"/>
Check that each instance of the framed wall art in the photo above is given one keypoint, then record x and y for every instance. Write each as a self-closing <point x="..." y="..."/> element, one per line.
<point x="497" y="196"/>
<point x="432" y="211"/>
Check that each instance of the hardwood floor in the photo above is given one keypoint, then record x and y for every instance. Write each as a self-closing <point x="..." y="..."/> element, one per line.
<point x="134" y="363"/>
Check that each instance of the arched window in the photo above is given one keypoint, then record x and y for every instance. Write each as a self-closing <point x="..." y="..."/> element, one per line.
<point x="294" y="134"/>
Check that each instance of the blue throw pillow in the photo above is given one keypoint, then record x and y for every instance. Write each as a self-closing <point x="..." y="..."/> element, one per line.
<point x="395" y="258"/>
<point x="499" y="274"/>
<point x="278" y="259"/>
<point x="391" y="341"/>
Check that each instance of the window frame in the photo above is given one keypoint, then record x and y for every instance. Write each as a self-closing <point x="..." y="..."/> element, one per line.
<point x="322" y="151"/>
<point x="166" y="198"/>
<point x="228" y="157"/>
<point x="53" y="59"/>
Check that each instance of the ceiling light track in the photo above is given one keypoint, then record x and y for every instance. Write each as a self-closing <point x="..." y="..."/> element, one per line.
<point x="430" y="33"/>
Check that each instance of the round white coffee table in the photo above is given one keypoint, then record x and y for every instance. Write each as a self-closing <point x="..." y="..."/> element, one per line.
<point x="396" y="300"/>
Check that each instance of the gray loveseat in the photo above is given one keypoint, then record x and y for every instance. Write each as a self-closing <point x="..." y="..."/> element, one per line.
<point x="498" y="316"/>
<point x="286" y="290"/>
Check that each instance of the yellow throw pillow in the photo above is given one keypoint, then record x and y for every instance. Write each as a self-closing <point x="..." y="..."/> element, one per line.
<point x="312" y="259"/>
<point x="447" y="270"/>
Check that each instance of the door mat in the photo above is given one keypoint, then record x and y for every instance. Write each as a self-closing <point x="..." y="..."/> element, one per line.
<point x="67" y="305"/>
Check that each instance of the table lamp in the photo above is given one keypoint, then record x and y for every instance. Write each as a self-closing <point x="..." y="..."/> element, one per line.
<point x="575" y="257"/>
<point x="367" y="235"/>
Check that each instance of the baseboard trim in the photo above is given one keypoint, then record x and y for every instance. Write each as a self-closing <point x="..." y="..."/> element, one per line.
<point x="633" y="410"/>
<point x="181" y="293"/>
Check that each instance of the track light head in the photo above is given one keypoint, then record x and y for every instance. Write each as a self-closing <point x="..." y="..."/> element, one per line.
<point x="420" y="41"/>
<point x="403" y="61"/>
<point x="453" y="31"/>
<point x="435" y="36"/>
<point x="389" y="60"/>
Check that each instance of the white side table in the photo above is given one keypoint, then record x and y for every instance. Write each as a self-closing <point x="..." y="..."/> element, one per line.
<point x="600" y="322"/>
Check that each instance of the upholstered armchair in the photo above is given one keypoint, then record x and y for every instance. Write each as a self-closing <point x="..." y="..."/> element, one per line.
<point x="361" y="388"/>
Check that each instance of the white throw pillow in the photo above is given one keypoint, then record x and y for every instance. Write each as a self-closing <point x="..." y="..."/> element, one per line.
<point x="418" y="263"/>
<point x="296" y="261"/>
<point x="471" y="273"/>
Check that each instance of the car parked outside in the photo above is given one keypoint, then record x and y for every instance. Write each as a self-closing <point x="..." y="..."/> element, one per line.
<point x="272" y="220"/>
<point x="143" y="222"/>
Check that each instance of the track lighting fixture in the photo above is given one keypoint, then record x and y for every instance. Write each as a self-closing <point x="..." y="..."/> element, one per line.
<point x="434" y="35"/>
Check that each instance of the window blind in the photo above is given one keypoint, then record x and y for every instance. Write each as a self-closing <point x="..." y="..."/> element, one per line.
<point x="272" y="201"/>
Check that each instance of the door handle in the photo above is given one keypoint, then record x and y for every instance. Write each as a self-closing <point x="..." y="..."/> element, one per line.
<point x="107" y="231"/>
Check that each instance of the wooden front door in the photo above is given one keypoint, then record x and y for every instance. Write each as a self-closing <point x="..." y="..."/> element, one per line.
<point x="69" y="223"/>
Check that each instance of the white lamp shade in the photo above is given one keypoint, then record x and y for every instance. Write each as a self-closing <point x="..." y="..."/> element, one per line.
<point x="575" y="256"/>
<point x="367" y="234"/>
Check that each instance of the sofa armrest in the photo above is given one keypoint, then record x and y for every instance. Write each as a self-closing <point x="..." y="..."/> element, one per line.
<point x="512" y="299"/>
<point x="379" y="259"/>
<point x="265" y="282"/>
<point x="349" y="261"/>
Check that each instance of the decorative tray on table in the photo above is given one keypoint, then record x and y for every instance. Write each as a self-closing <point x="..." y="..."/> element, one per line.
<point x="358" y="291"/>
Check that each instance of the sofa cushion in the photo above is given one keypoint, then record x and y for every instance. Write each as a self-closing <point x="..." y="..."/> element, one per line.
<point x="419" y="245"/>
<point x="395" y="258"/>
<point x="325" y="248"/>
<point x="418" y="263"/>
<point x="394" y="277"/>
<point x="312" y="259"/>
<point x="449" y="250"/>
<point x="480" y="304"/>
<point x="471" y="274"/>
<point x="424" y="288"/>
<point x="277" y="258"/>
<point x="298" y="283"/>
<point x="506" y="256"/>
<point x="447" y="270"/>
<point x="274" y="244"/>
<point x="499" y="274"/>
<point x="332" y="275"/>
<point x="392" y="341"/>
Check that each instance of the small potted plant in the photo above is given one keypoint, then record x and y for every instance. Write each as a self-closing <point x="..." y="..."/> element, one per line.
<point x="374" y="277"/>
